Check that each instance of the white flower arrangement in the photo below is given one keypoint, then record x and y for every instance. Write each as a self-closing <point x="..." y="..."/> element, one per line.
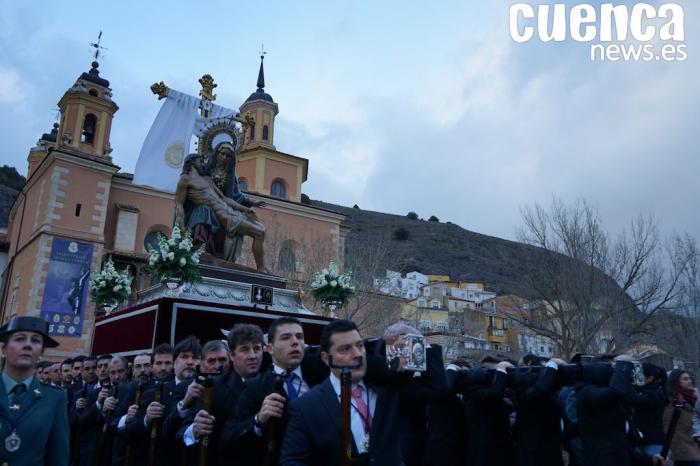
<point x="109" y="287"/>
<point x="327" y="286"/>
<point x="174" y="258"/>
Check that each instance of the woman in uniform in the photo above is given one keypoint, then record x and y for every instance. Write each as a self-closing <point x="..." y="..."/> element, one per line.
<point x="33" y="419"/>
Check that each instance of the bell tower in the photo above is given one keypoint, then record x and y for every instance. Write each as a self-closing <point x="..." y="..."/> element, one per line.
<point x="260" y="106"/>
<point x="87" y="110"/>
<point x="261" y="167"/>
<point x="63" y="209"/>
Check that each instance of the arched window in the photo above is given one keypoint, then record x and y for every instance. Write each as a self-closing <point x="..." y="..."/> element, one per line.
<point x="242" y="184"/>
<point x="278" y="189"/>
<point x="151" y="239"/>
<point x="287" y="260"/>
<point x="93" y="92"/>
<point x="266" y="132"/>
<point x="89" y="126"/>
<point x="252" y="131"/>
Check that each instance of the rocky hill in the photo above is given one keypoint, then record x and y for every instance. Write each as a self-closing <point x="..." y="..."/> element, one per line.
<point x="432" y="247"/>
<point x="11" y="183"/>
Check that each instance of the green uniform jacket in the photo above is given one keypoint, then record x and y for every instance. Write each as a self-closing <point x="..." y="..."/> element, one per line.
<point x="43" y="430"/>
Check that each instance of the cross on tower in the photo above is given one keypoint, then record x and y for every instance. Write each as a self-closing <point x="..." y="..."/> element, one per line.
<point x="97" y="46"/>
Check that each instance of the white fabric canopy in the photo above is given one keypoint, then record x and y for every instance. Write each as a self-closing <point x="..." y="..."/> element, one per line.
<point x="168" y="141"/>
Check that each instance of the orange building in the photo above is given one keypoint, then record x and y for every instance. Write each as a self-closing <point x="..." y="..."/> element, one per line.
<point x="76" y="196"/>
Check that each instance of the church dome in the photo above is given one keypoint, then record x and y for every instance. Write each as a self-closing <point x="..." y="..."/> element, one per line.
<point x="93" y="76"/>
<point x="260" y="95"/>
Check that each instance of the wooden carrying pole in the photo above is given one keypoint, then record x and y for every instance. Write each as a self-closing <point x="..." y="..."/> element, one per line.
<point x="272" y="430"/>
<point x="75" y="451"/>
<point x="103" y="434"/>
<point x="207" y="403"/>
<point x="671" y="431"/>
<point x="128" y="451"/>
<point x="155" y="426"/>
<point x="345" y="431"/>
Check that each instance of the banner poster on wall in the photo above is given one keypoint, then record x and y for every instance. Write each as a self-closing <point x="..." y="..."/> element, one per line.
<point x="67" y="283"/>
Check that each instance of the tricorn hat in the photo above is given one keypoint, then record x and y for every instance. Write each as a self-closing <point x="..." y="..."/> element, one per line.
<point x="28" y="324"/>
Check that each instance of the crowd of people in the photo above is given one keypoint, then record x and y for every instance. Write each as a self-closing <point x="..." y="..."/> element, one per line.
<point x="273" y="400"/>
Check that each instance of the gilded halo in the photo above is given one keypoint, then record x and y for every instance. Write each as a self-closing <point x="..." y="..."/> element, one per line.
<point x="220" y="130"/>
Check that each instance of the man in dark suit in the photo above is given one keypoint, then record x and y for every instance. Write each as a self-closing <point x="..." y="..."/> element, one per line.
<point x="313" y="434"/>
<point x="67" y="380"/>
<point x="158" y="371"/>
<point x="77" y="367"/>
<point x="537" y="430"/>
<point x="85" y="414"/>
<point x="107" y="417"/>
<point x="102" y="368"/>
<point x="33" y="420"/>
<point x="489" y="441"/>
<point x="126" y="397"/>
<point x="603" y="420"/>
<point x="81" y="390"/>
<point x="177" y="397"/>
<point x="216" y="357"/>
<point x="245" y="342"/>
<point x="263" y="403"/>
<point x="446" y="439"/>
<point x="78" y="375"/>
<point x="66" y="373"/>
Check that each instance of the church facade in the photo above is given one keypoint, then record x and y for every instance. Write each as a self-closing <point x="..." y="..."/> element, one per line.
<point x="78" y="207"/>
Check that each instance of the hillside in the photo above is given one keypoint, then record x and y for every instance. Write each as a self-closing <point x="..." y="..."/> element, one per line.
<point x="11" y="183"/>
<point x="437" y="248"/>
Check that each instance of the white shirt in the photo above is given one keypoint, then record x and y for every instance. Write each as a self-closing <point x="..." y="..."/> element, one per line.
<point x="356" y="425"/>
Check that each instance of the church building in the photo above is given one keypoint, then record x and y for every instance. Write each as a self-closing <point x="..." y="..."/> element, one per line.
<point x="78" y="207"/>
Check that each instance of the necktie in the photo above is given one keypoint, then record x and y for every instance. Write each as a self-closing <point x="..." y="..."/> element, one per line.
<point x="291" y="389"/>
<point x="16" y="395"/>
<point x="361" y="407"/>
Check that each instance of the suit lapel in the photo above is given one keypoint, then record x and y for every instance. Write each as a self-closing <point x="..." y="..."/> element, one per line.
<point x="330" y="402"/>
<point x="234" y="382"/>
<point x="236" y="388"/>
<point x="379" y="408"/>
<point x="269" y="381"/>
<point x="231" y="390"/>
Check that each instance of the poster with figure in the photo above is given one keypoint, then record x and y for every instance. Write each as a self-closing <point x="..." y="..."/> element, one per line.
<point x="67" y="283"/>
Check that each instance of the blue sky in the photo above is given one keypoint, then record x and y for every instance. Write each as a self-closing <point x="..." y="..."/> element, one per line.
<point x="426" y="107"/>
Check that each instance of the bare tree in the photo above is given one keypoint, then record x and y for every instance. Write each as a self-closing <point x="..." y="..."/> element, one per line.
<point x="589" y="293"/>
<point x="691" y="294"/>
<point x="679" y="332"/>
<point x="369" y="258"/>
<point x="650" y="272"/>
<point x="562" y="275"/>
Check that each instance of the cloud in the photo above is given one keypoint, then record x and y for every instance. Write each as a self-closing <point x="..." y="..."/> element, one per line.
<point x="12" y="87"/>
<point x="324" y="102"/>
<point x="507" y="125"/>
<point x="454" y="120"/>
